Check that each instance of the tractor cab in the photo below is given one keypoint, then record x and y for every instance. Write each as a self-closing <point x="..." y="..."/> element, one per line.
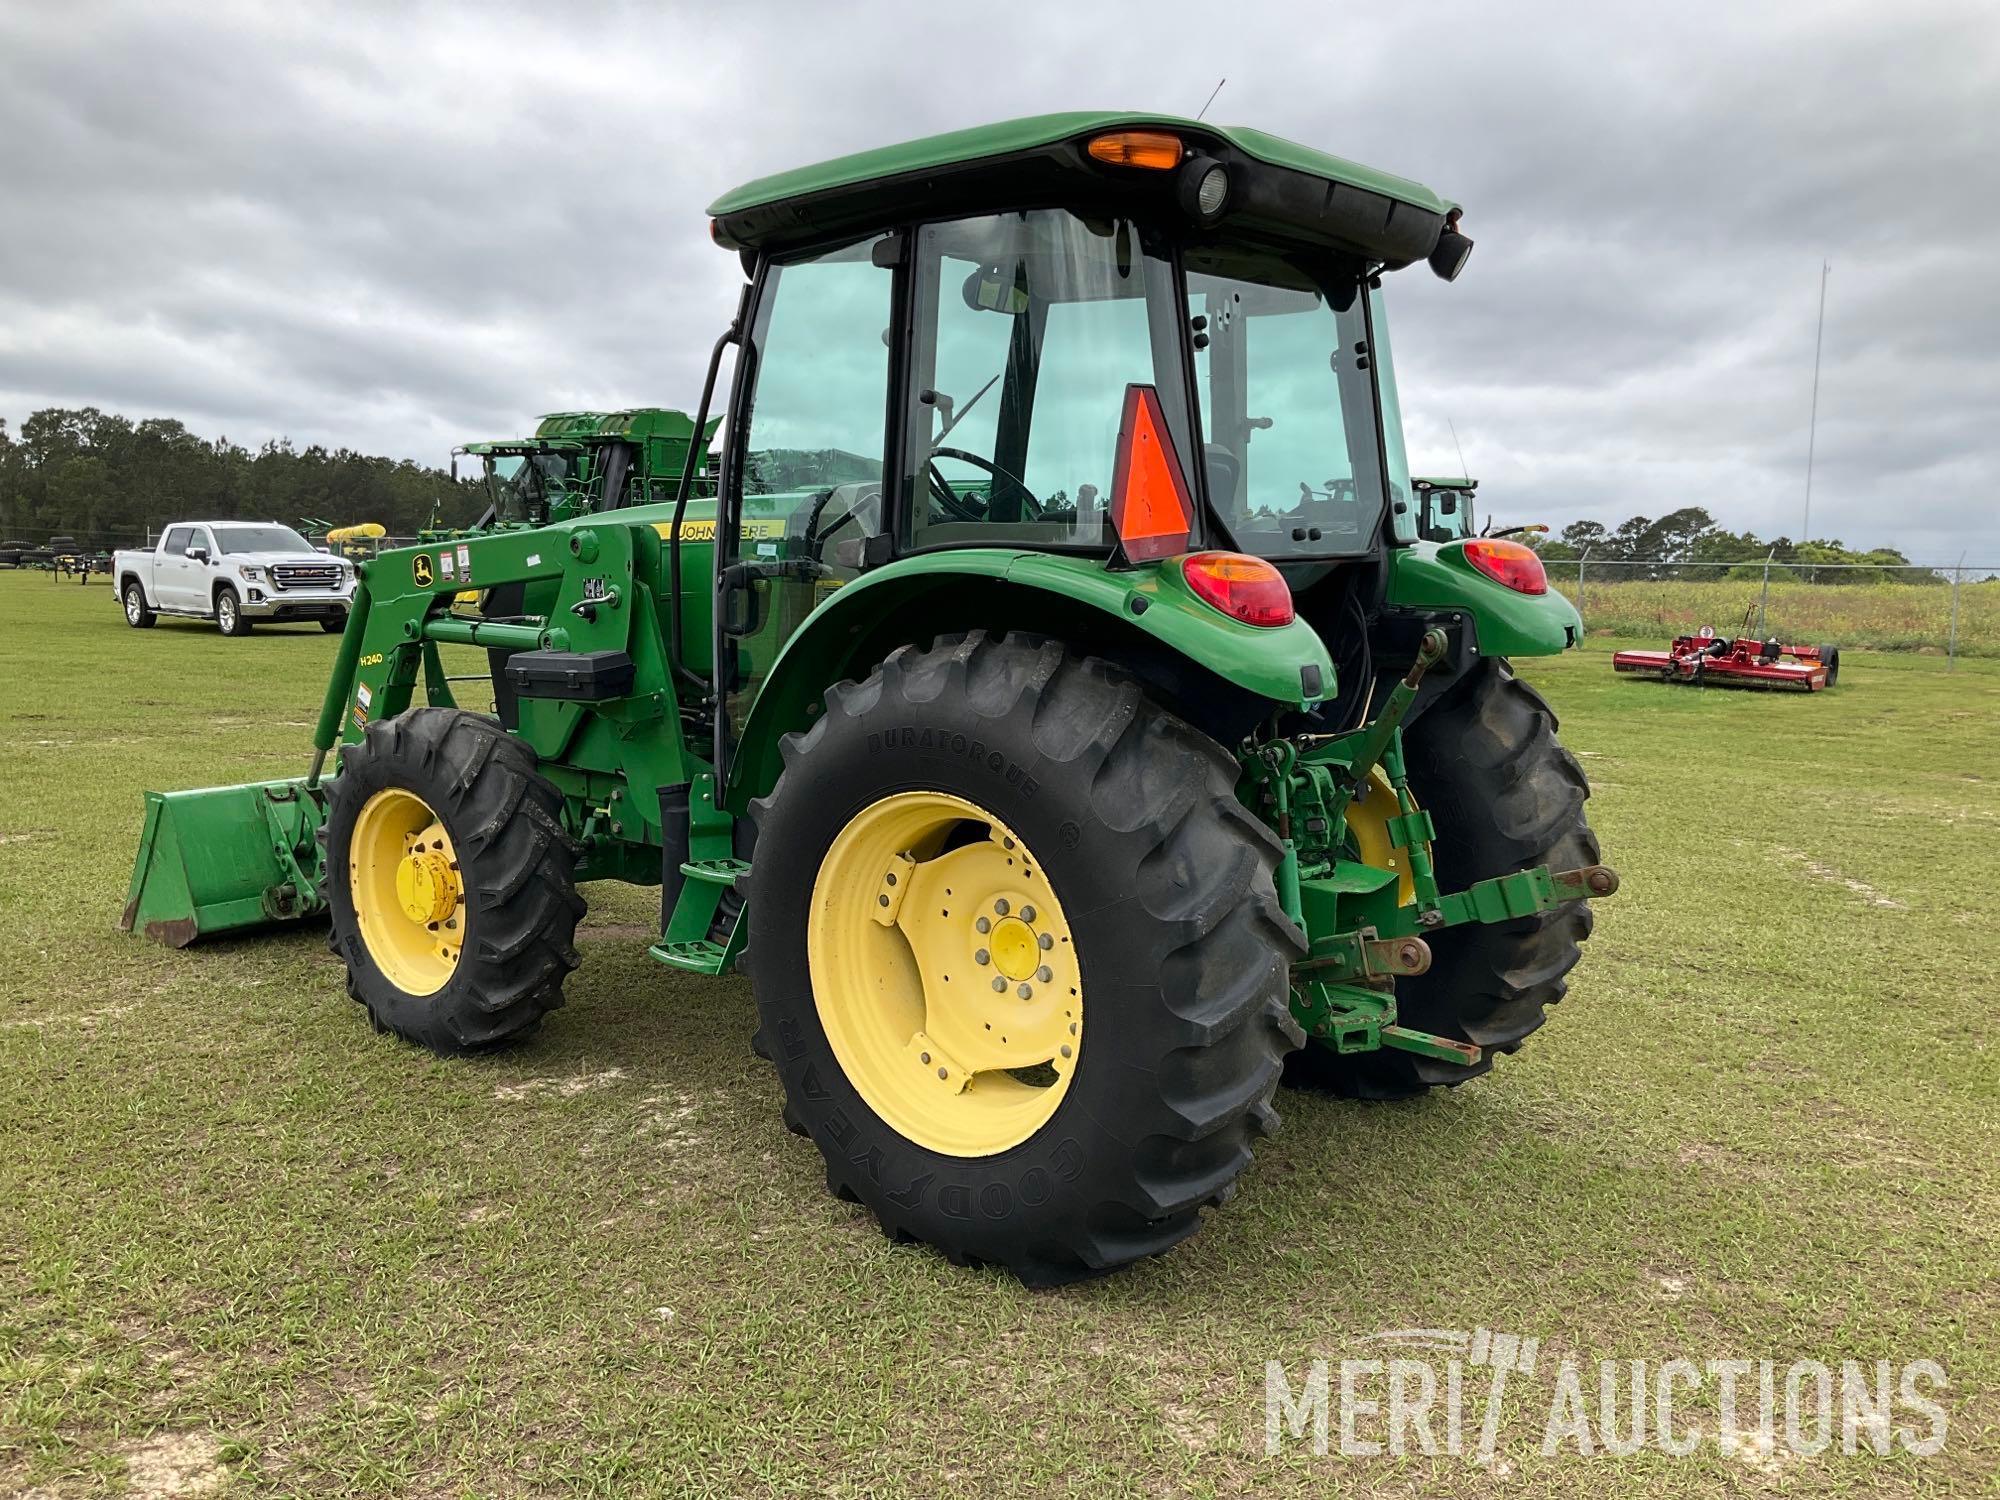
<point x="1444" y="509"/>
<point x="1106" y="338"/>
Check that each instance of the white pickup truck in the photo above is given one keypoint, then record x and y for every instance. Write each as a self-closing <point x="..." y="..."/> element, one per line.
<point x="233" y="572"/>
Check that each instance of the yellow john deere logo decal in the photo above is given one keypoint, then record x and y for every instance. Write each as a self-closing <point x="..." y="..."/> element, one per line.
<point x="704" y="531"/>
<point x="420" y="569"/>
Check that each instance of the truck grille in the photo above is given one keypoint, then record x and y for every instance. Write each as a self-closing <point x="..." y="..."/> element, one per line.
<point x="306" y="575"/>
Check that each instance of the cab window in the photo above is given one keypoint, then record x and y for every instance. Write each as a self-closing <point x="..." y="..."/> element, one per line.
<point x="1029" y="327"/>
<point x="809" y="472"/>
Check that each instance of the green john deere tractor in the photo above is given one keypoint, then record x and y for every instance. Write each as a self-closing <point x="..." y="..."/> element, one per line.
<point x="1053" y="708"/>
<point x="583" y="461"/>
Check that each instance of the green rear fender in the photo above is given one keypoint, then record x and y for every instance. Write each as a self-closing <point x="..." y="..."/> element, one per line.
<point x="931" y="594"/>
<point x="1435" y="575"/>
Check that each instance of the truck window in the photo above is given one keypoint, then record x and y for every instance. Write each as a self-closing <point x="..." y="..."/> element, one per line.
<point x="178" y="540"/>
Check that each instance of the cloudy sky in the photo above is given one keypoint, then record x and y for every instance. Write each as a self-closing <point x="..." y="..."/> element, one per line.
<point x="395" y="229"/>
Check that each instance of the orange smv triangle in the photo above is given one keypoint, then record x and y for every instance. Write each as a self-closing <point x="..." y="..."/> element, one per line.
<point x="1151" y="509"/>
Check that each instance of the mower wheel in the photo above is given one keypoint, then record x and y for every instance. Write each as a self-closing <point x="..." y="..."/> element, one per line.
<point x="333" y="624"/>
<point x="229" y="616"/>
<point x="1506" y="796"/>
<point x="1830" y="658"/>
<point x="1018" y="956"/>
<point x="137" y="615"/>
<point x="450" y="879"/>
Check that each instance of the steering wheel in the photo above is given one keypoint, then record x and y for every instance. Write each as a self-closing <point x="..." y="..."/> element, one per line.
<point x="955" y="506"/>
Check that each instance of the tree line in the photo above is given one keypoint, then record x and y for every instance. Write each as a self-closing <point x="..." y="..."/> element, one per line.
<point x="1687" y="543"/>
<point x="110" y="481"/>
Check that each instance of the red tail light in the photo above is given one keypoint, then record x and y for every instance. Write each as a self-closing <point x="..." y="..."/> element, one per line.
<point x="1244" y="588"/>
<point x="1151" y="509"/>
<point x="1508" y="563"/>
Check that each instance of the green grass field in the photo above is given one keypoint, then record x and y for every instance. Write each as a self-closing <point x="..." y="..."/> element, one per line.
<point x="248" y="1246"/>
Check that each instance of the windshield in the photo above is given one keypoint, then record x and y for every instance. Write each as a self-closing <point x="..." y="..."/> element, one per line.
<point x="260" y="539"/>
<point x="1287" y="404"/>
<point x="521" y="483"/>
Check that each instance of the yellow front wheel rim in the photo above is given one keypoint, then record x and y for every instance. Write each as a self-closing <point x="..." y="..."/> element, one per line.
<point x="407" y="890"/>
<point x="945" y="974"/>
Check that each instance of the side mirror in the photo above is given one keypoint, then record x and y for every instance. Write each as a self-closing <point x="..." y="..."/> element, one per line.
<point x="198" y="554"/>
<point x="1448" y="503"/>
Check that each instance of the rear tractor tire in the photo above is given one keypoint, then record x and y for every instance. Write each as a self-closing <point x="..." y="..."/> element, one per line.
<point x="1506" y="796"/>
<point x="1018" y="957"/>
<point x="137" y="615"/>
<point x="450" y="881"/>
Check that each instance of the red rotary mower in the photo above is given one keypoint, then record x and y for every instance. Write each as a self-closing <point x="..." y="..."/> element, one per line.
<point x="1742" y="662"/>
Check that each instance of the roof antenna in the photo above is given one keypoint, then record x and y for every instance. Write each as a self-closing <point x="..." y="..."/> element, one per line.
<point x="1463" y="472"/>
<point x="1211" y="99"/>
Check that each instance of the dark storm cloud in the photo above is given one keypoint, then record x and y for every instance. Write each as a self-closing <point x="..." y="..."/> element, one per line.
<point x="397" y="230"/>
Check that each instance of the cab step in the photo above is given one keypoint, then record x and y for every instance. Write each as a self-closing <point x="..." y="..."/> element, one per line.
<point x="697" y="957"/>
<point x="716" y="871"/>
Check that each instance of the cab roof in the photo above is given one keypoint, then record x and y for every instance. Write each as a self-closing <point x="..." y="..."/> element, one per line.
<point x="1015" y="162"/>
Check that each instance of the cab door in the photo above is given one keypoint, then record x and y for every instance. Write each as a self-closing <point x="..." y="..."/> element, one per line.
<point x="172" y="569"/>
<point x="804" y="479"/>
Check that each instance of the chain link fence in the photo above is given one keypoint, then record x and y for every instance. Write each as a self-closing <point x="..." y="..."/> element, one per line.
<point x="1950" y="610"/>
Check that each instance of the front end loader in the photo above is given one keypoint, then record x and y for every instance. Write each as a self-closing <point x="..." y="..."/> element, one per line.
<point x="1052" y="706"/>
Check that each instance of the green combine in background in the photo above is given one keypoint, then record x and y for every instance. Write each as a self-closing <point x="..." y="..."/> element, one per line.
<point x="1053" y="705"/>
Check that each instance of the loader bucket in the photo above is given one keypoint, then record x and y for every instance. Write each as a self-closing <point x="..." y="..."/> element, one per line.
<point x="223" y="858"/>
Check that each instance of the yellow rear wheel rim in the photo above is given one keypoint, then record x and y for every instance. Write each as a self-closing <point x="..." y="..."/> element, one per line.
<point x="945" y="974"/>
<point x="1368" y="826"/>
<point x="407" y="891"/>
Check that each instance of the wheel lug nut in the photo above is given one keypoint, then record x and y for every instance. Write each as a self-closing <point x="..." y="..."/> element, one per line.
<point x="982" y="956"/>
<point x="1065" y="1050"/>
<point x="925" y="1057"/>
<point x="1046" y="941"/>
<point x="1000" y="906"/>
<point x="999" y="984"/>
<point x="1045" y="974"/>
<point x="983" y="925"/>
<point x="944" y="1073"/>
<point x="1026" y="992"/>
<point x="1027" y="914"/>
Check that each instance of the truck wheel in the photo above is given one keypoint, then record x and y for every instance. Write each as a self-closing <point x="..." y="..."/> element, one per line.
<point x="451" y="881"/>
<point x="1018" y="957"/>
<point x="229" y="616"/>
<point x="136" y="614"/>
<point x="1506" y="796"/>
<point x="333" y="624"/>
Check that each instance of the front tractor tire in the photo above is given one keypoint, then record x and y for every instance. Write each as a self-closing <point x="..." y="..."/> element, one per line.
<point x="450" y="881"/>
<point x="1018" y="957"/>
<point x="1505" y="796"/>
